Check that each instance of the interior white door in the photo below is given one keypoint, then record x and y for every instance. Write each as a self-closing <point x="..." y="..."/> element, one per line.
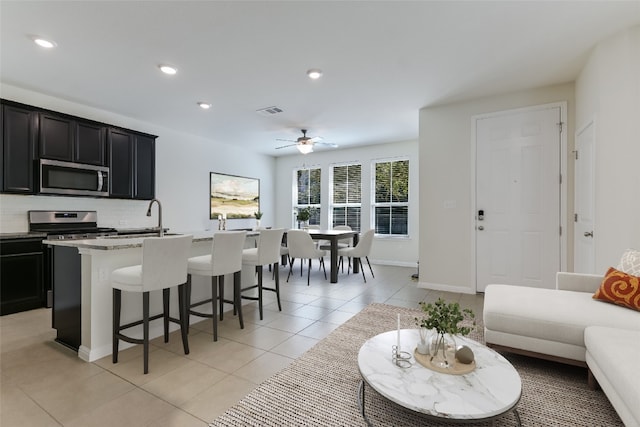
<point x="584" y="239"/>
<point x="518" y="198"/>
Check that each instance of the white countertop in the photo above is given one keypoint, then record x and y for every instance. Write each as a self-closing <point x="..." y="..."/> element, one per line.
<point x="124" y="242"/>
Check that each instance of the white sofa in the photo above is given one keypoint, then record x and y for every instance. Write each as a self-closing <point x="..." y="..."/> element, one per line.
<point x="567" y="325"/>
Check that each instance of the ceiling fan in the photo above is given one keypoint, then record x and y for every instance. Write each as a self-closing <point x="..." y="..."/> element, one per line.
<point x="305" y="143"/>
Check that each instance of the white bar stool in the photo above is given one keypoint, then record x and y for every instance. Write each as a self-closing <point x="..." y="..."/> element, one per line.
<point x="225" y="258"/>
<point x="267" y="252"/>
<point x="164" y="265"/>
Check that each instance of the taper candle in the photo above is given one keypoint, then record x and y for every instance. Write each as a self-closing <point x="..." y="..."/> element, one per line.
<point x="398" y="343"/>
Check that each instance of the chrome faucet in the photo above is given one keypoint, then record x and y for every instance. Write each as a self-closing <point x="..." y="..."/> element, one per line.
<point x="160" y="229"/>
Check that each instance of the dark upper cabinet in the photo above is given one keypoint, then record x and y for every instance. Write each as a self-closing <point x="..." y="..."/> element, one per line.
<point x="90" y="144"/>
<point x="132" y="157"/>
<point x="56" y="137"/>
<point x="67" y="139"/>
<point x="18" y="149"/>
<point x="145" y="167"/>
<point x="121" y="163"/>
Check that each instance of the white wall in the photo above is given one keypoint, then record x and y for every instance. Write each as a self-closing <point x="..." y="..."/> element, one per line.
<point x="608" y="91"/>
<point x="391" y="251"/>
<point x="445" y="176"/>
<point x="183" y="163"/>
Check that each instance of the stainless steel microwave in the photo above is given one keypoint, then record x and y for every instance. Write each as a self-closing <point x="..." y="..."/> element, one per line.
<point x="76" y="179"/>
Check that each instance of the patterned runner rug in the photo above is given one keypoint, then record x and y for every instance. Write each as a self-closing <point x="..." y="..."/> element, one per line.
<point x="320" y="387"/>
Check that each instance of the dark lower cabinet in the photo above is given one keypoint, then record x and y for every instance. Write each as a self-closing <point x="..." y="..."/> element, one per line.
<point x="66" y="266"/>
<point x="21" y="275"/>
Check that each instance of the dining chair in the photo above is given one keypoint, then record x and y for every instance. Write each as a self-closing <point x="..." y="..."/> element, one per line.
<point x="225" y="258"/>
<point x="164" y="265"/>
<point x="326" y="245"/>
<point x="267" y="252"/>
<point x="359" y="251"/>
<point x="301" y="246"/>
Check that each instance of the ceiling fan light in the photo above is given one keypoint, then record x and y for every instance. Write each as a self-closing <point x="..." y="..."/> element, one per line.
<point x="167" y="69"/>
<point x="314" y="73"/>
<point x="305" y="148"/>
<point x="204" y="105"/>
<point x="47" y="44"/>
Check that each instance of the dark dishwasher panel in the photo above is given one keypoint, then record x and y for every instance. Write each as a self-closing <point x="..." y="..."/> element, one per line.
<point x="66" y="295"/>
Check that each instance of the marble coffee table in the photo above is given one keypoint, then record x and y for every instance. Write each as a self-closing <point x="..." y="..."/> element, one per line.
<point x="491" y="390"/>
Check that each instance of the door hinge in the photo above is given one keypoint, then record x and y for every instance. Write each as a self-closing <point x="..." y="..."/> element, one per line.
<point x="560" y="126"/>
<point x="560" y="178"/>
<point x="561" y="230"/>
<point x="575" y="217"/>
<point x="575" y="152"/>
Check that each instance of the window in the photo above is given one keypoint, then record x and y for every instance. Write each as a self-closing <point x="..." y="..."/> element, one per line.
<point x="308" y="192"/>
<point x="391" y="198"/>
<point x="346" y="196"/>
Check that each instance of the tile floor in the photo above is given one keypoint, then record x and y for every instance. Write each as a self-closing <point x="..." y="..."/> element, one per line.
<point x="44" y="384"/>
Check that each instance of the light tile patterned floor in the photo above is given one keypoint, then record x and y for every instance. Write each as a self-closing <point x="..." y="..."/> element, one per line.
<point x="44" y="384"/>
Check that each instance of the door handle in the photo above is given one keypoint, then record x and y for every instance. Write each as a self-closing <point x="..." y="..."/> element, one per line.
<point x="100" y="181"/>
<point x="480" y="227"/>
<point x="588" y="234"/>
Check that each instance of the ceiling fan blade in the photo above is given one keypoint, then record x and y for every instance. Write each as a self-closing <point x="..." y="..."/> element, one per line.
<point x="316" y="139"/>
<point x="286" y="140"/>
<point x="285" y="146"/>
<point x="327" y="144"/>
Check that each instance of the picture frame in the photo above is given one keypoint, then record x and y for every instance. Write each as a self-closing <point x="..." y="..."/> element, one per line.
<point x="233" y="196"/>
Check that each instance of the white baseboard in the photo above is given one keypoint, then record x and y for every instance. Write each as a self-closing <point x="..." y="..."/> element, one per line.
<point x="393" y="263"/>
<point x="446" y="288"/>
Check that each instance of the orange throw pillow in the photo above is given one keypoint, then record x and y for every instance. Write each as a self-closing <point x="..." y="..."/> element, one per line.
<point x="620" y="288"/>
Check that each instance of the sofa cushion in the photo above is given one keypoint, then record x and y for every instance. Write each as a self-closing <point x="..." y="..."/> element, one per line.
<point x="620" y="288"/>
<point x="614" y="352"/>
<point x="550" y="314"/>
<point x="630" y="262"/>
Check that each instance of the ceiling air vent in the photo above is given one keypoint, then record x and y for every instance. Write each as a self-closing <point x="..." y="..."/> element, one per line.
<point x="269" y="111"/>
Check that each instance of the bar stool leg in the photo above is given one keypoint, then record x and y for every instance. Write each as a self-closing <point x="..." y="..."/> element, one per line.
<point x="277" y="279"/>
<point x="183" y="309"/>
<point x="214" y="302"/>
<point x="187" y="303"/>
<point x="237" y="300"/>
<point x="260" y="290"/>
<point x="221" y="294"/>
<point x="117" y="295"/>
<point x="165" y="313"/>
<point x="145" y="330"/>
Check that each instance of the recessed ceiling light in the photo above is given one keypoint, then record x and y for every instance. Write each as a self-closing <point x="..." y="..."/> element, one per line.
<point x="314" y="73"/>
<point x="48" y="44"/>
<point x="204" y="105"/>
<point x="167" y="69"/>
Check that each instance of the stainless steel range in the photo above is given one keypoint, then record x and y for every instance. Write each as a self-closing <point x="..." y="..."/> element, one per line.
<point x="68" y="225"/>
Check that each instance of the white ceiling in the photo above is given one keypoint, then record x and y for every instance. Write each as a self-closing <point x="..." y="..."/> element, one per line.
<point x="382" y="60"/>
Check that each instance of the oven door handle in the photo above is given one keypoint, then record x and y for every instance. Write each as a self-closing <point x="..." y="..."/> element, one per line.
<point x="100" y="181"/>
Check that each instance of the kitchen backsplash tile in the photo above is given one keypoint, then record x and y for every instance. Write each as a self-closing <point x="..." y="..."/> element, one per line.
<point x="111" y="212"/>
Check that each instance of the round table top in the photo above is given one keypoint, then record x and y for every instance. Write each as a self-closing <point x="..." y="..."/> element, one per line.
<point x="492" y="389"/>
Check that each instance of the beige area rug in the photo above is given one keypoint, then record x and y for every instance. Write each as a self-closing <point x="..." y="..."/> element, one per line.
<point x="320" y="387"/>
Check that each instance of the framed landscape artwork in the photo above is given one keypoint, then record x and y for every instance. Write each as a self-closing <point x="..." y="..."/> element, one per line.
<point x="233" y="197"/>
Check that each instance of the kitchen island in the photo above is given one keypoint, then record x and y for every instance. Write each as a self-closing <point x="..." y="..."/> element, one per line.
<point x="82" y="293"/>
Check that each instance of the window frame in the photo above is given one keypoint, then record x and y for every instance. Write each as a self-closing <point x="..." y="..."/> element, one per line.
<point x="313" y="206"/>
<point x="347" y="204"/>
<point x="391" y="204"/>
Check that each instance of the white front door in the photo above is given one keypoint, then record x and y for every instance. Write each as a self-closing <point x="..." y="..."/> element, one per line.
<point x="584" y="245"/>
<point x="518" y="198"/>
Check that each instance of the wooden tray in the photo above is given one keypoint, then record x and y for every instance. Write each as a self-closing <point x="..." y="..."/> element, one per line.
<point x="457" y="369"/>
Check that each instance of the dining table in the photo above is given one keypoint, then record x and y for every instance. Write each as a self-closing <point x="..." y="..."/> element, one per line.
<point x="333" y="236"/>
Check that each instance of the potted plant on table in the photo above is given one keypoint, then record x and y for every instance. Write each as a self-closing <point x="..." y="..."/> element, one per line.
<point x="303" y="217"/>
<point x="446" y="319"/>
<point x="258" y="216"/>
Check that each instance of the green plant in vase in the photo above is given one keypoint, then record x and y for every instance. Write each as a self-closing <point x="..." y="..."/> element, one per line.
<point x="446" y="319"/>
<point x="303" y="215"/>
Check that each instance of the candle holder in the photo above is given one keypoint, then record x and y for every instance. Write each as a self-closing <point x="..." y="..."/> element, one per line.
<point x="402" y="359"/>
